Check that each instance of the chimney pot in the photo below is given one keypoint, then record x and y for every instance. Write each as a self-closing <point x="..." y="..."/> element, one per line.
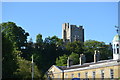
<point x="82" y="59"/>
<point x="96" y="56"/>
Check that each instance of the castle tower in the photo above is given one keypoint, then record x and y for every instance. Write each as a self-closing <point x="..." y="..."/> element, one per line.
<point x="72" y="33"/>
<point x="116" y="45"/>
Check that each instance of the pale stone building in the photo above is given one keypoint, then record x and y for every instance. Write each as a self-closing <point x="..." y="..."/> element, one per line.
<point x="72" y="33"/>
<point x="99" y="69"/>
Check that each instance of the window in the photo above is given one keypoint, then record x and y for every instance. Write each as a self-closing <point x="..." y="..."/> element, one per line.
<point x="117" y="50"/>
<point x="93" y="75"/>
<point x="86" y="75"/>
<point x="102" y="74"/>
<point x="111" y="74"/>
<point x="72" y="75"/>
<point x="66" y="76"/>
<point x="114" y="50"/>
<point x="117" y="45"/>
<point x="79" y="75"/>
<point x="53" y="76"/>
<point x="114" y="45"/>
<point x="58" y="77"/>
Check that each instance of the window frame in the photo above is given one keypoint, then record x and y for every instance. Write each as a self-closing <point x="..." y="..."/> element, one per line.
<point x="111" y="74"/>
<point x="102" y="74"/>
<point x="72" y="75"/>
<point x="79" y="75"/>
<point x="93" y="75"/>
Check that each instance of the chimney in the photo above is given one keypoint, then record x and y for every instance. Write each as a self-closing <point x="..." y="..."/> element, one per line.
<point x="68" y="62"/>
<point x="96" y="56"/>
<point x="82" y="59"/>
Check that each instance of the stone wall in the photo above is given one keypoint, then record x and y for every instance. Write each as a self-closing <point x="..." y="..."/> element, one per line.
<point x="72" y="33"/>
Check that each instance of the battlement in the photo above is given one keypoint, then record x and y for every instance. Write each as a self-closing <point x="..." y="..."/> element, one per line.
<point x="72" y="33"/>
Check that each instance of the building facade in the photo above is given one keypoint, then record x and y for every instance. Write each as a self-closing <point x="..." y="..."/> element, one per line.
<point x="104" y="69"/>
<point x="72" y="33"/>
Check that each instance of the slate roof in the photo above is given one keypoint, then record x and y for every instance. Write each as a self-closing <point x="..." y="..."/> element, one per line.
<point x="86" y="64"/>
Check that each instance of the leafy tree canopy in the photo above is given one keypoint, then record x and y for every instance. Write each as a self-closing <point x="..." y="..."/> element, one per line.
<point x="25" y="68"/>
<point x="39" y="39"/>
<point x="62" y="60"/>
<point x="91" y="45"/>
<point x="74" y="57"/>
<point x="14" y="33"/>
<point x="76" y="47"/>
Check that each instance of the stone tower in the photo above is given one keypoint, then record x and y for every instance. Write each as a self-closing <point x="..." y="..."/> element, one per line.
<point x="116" y="45"/>
<point x="72" y="33"/>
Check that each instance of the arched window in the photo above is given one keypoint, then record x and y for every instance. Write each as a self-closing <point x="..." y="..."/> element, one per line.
<point x="114" y="50"/>
<point x="117" y="48"/>
<point x="117" y="45"/>
<point x="114" y="45"/>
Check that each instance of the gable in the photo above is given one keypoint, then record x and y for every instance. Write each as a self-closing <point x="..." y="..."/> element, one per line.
<point x="54" y="69"/>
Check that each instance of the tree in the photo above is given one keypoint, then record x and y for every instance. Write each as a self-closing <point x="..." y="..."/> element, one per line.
<point x="39" y="39"/>
<point x="62" y="60"/>
<point x="76" y="47"/>
<point x="25" y="68"/>
<point x="54" y="40"/>
<point x="74" y="57"/>
<point x="30" y="41"/>
<point x="9" y="60"/>
<point x="91" y="45"/>
<point x="15" y="34"/>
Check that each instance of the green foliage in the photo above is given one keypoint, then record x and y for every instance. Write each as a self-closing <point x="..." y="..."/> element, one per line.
<point x="15" y="34"/>
<point x="53" y="40"/>
<point x="74" y="57"/>
<point x="46" y="53"/>
<point x="91" y="45"/>
<point x="88" y="49"/>
<point x="39" y="39"/>
<point x="25" y="68"/>
<point x="76" y="47"/>
<point x="62" y="60"/>
<point x="9" y="60"/>
<point x="13" y="38"/>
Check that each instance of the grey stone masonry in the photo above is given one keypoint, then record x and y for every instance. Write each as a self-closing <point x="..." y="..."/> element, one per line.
<point x="72" y="33"/>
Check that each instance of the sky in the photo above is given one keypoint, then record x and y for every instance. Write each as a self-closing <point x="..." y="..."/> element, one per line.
<point x="46" y="18"/>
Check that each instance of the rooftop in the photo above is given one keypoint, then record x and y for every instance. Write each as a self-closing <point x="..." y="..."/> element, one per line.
<point x="116" y="38"/>
<point x="92" y="64"/>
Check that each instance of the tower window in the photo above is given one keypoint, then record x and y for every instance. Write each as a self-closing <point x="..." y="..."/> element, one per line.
<point x="114" y="50"/>
<point x="117" y="50"/>
<point x="117" y="45"/>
